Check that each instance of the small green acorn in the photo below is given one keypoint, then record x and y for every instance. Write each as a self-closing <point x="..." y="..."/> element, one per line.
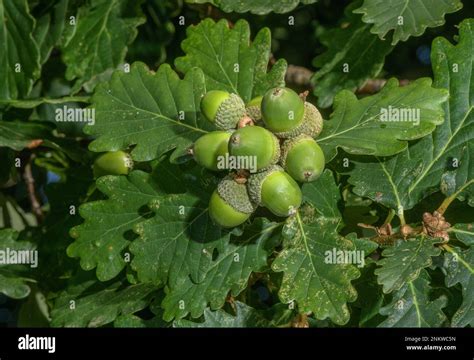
<point x="282" y="110"/>
<point x="275" y="190"/>
<point x="302" y="158"/>
<point x="230" y="204"/>
<point x="113" y="163"/>
<point x="254" y="109"/>
<point x="208" y="148"/>
<point x="255" y="142"/>
<point x="223" y="109"/>
<point x="312" y="124"/>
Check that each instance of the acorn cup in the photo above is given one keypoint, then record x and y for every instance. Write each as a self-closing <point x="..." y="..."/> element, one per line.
<point x="254" y="109"/>
<point x="230" y="203"/>
<point x="275" y="190"/>
<point x="302" y="158"/>
<point x="113" y="163"/>
<point x="210" y="147"/>
<point x="223" y="109"/>
<point x="312" y="124"/>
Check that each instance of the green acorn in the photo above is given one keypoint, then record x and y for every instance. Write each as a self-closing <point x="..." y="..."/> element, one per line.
<point x="275" y="190"/>
<point x="302" y="158"/>
<point x="312" y="124"/>
<point x="208" y="149"/>
<point x="113" y="163"/>
<point x="230" y="204"/>
<point x="282" y="110"/>
<point x="254" y="109"/>
<point x="223" y="109"/>
<point x="255" y="142"/>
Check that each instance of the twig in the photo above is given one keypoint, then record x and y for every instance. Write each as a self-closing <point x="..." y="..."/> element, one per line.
<point x="373" y="86"/>
<point x="31" y="103"/>
<point x="390" y="239"/>
<point x="299" y="75"/>
<point x="401" y="217"/>
<point x="445" y="204"/>
<point x="390" y="217"/>
<point x="300" y="321"/>
<point x="384" y="234"/>
<point x="30" y="186"/>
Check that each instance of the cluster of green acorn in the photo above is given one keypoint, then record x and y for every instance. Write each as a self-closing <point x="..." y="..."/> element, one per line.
<point x="277" y="130"/>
